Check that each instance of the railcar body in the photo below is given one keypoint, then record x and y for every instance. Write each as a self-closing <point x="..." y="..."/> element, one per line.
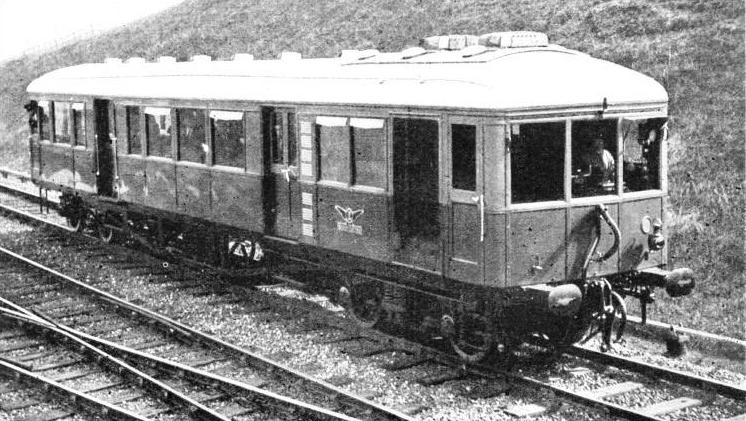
<point x="487" y="187"/>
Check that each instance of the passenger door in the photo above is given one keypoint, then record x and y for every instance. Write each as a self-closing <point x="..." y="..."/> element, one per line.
<point x="105" y="154"/>
<point x="417" y="211"/>
<point x="282" y="192"/>
<point x="466" y="200"/>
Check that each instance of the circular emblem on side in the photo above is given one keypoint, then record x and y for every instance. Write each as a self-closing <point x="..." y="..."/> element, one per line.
<point x="646" y="226"/>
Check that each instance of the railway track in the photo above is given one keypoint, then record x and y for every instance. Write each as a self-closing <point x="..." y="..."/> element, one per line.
<point x="636" y="392"/>
<point x="137" y="335"/>
<point x="44" y="356"/>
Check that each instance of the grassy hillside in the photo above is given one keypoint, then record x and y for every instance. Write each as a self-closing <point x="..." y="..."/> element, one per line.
<point x="695" y="47"/>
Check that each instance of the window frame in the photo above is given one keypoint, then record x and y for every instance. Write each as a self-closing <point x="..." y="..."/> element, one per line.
<point x="346" y="179"/>
<point x="54" y="120"/>
<point x="213" y="146"/>
<point x="205" y="137"/>
<point x="146" y="130"/>
<point x="141" y="131"/>
<point x="456" y="194"/>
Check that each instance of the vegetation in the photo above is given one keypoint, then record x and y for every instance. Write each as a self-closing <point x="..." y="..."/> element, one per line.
<point x="695" y="47"/>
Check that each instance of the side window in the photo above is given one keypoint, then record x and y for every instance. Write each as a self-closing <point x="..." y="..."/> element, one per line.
<point x="44" y="120"/>
<point x="464" y="156"/>
<point x="594" y="151"/>
<point x="78" y="110"/>
<point x="132" y="120"/>
<point x="537" y="162"/>
<point x="158" y="131"/>
<point x="333" y="136"/>
<point x="228" y="135"/>
<point x="191" y="135"/>
<point x="641" y="154"/>
<point x="61" y="122"/>
<point x="279" y="128"/>
<point x="368" y="152"/>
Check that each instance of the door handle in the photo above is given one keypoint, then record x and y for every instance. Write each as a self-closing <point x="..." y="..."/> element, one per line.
<point x="479" y="199"/>
<point x="288" y="172"/>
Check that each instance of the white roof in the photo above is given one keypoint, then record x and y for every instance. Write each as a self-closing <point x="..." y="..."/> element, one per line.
<point x="494" y="79"/>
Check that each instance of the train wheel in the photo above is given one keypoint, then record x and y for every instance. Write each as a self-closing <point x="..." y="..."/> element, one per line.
<point x="75" y="223"/>
<point x="472" y="337"/>
<point x="105" y="233"/>
<point x="363" y="302"/>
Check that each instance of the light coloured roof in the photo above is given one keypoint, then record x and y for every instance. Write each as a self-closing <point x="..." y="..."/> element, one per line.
<point x="492" y="79"/>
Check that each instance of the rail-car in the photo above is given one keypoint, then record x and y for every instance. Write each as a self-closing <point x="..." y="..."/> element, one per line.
<point x="479" y="189"/>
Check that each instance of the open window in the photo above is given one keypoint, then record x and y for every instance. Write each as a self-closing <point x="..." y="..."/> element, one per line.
<point x="369" y="152"/>
<point x="78" y="124"/>
<point x="158" y="131"/>
<point x="191" y="135"/>
<point x="62" y="122"/>
<point x="537" y="162"/>
<point x="333" y="135"/>
<point x="228" y="138"/>
<point x="594" y="152"/>
<point x="132" y="118"/>
<point x="642" y="141"/>
<point x="44" y="111"/>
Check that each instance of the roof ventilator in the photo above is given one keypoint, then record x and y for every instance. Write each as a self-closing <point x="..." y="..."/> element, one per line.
<point x="413" y="52"/>
<point x="166" y="59"/>
<point x="514" y="39"/>
<point x="112" y="60"/>
<point x="473" y="50"/>
<point x="449" y="42"/>
<point x="200" y="58"/>
<point x="135" y="60"/>
<point x="290" y="55"/>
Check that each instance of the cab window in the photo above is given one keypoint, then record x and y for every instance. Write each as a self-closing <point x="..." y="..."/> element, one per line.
<point x="537" y="162"/>
<point x="641" y="154"/>
<point x="594" y="152"/>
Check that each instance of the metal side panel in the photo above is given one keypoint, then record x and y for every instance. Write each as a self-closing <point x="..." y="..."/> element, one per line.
<point x="131" y="179"/>
<point x="237" y="200"/>
<point x="536" y="250"/>
<point x="581" y="223"/>
<point x="85" y="173"/>
<point x="193" y="190"/>
<point x="57" y="164"/>
<point x="635" y="253"/>
<point x="160" y="185"/>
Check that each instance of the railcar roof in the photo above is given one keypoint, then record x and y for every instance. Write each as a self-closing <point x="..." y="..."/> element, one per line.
<point x="489" y="79"/>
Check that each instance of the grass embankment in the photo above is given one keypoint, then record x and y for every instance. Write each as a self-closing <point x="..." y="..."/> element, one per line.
<point x="696" y="48"/>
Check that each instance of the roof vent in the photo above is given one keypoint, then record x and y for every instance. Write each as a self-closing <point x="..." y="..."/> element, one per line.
<point x="358" y="54"/>
<point x="514" y="39"/>
<point x="200" y="58"/>
<point x="413" y="52"/>
<point x="112" y="60"/>
<point x="290" y="55"/>
<point x="473" y="50"/>
<point x="449" y="42"/>
<point x="242" y="57"/>
<point x="166" y="59"/>
<point x="135" y="60"/>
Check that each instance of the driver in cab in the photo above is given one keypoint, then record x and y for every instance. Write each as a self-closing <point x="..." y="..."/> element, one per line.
<point x="598" y="167"/>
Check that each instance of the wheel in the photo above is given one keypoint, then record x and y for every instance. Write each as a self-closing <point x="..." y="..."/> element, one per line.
<point x="363" y="302"/>
<point x="472" y="336"/>
<point x="105" y="233"/>
<point x="75" y="223"/>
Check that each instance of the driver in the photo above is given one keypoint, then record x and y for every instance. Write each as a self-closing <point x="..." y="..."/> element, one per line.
<point x="599" y="165"/>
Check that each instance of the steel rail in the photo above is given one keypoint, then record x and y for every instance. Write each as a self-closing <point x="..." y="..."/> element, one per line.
<point x="162" y="390"/>
<point x="189" y="334"/>
<point x="676" y="376"/>
<point x="255" y="393"/>
<point x="79" y="398"/>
